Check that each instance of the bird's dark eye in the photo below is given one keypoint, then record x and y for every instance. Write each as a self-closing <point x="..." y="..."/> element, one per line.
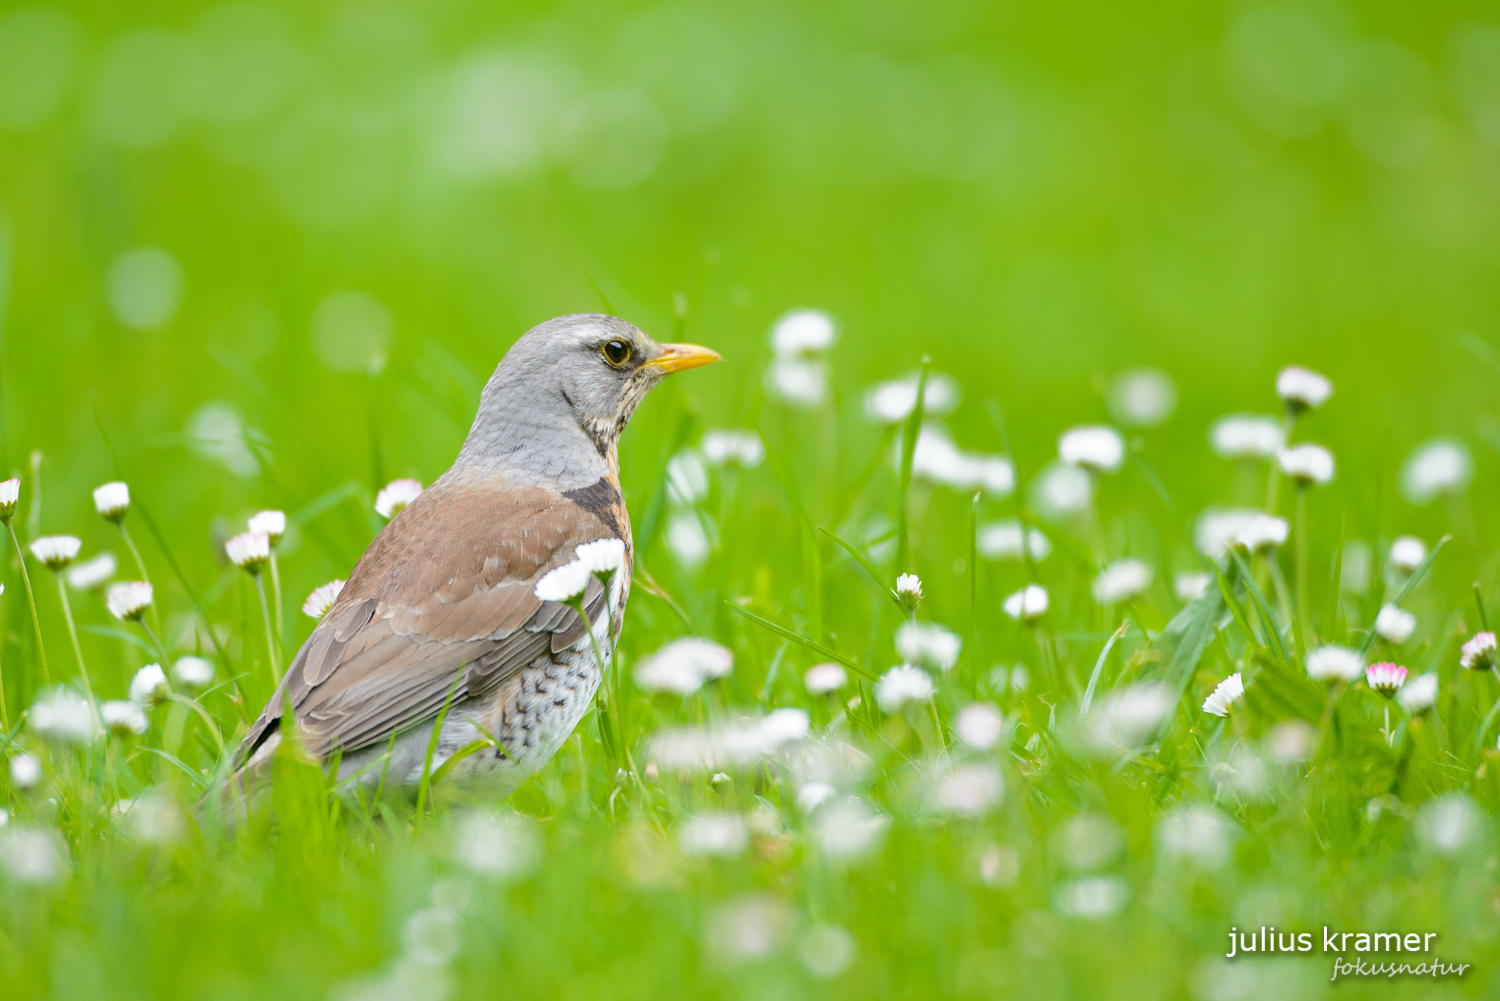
<point x="616" y="353"/>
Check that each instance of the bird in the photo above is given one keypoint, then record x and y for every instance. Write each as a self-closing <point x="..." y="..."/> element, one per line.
<point x="441" y="611"/>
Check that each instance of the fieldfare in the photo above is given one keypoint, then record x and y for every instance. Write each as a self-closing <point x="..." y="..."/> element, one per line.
<point x="441" y="608"/>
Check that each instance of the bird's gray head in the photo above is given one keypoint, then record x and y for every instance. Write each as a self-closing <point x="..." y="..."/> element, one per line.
<point x="563" y="393"/>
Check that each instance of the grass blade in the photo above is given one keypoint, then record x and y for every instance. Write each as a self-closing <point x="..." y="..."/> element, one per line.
<point x="862" y="561"/>
<point x="786" y="633"/>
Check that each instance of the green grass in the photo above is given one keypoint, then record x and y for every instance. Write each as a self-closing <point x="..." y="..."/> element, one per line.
<point x="1036" y="199"/>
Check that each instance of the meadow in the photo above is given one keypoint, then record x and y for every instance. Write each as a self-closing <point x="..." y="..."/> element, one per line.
<point x="1157" y="343"/>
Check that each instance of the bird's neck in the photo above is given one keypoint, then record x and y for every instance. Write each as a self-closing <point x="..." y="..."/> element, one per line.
<point x="536" y="445"/>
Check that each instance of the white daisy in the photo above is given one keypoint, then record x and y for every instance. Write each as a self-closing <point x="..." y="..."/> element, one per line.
<point x="565" y="583"/>
<point x="1121" y="581"/>
<point x="1302" y="388"/>
<point x="1001" y="540"/>
<point x="1308" y="464"/>
<point x="602" y="557"/>
<point x="1096" y="447"/>
<point x="979" y="725"/>
<point x="1218" y="528"/>
<point x="396" y="496"/>
<point x="1028" y="604"/>
<point x="321" y="599"/>
<point x="909" y="591"/>
<point x="1407" y="553"/>
<point x="1419" y="694"/>
<point x="1332" y="662"/>
<point x="901" y="686"/>
<point x="803" y="332"/>
<point x="798" y="381"/>
<point x="1225" y="694"/>
<point x="10" y="498"/>
<point x="1385" y="678"/>
<point x="112" y="501"/>
<point x="1189" y="584"/>
<point x="149" y="687"/>
<point x="1062" y="491"/>
<point x="123" y="719"/>
<point x="1395" y="625"/>
<point x="733" y="447"/>
<point x="1246" y="436"/>
<point x="1142" y="397"/>
<point x="683" y="666"/>
<point x="892" y="402"/>
<point x="1434" y="469"/>
<point x="928" y="643"/>
<point x="56" y="551"/>
<point x="25" y="771"/>
<point x="1262" y="533"/>
<point x="63" y="715"/>
<point x="129" y="600"/>
<point x="821" y="679"/>
<point x="271" y="523"/>
<point x="250" y="551"/>
<point x="194" y="672"/>
<point x="687" y="477"/>
<point x="93" y="573"/>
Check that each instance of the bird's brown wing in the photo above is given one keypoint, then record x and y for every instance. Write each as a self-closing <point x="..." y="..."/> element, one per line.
<point x="449" y="584"/>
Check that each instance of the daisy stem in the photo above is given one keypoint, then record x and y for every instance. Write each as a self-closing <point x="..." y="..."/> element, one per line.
<point x="1301" y="556"/>
<point x="1387" y="728"/>
<point x="161" y="651"/>
<point x="276" y="597"/>
<point x="62" y="592"/>
<point x="140" y="565"/>
<point x="604" y="665"/>
<point x="265" y="617"/>
<point x="36" y="623"/>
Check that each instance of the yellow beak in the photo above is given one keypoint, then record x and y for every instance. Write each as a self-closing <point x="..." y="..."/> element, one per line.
<point x="680" y="357"/>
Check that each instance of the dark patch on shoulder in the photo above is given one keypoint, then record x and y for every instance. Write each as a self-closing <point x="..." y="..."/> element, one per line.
<point x="602" y="500"/>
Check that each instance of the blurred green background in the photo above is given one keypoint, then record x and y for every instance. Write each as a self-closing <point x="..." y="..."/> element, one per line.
<point x="275" y="251"/>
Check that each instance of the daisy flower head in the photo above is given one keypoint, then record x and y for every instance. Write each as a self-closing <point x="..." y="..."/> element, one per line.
<point x="149" y="688"/>
<point x="1302" y="389"/>
<point x="1062" y="491"/>
<point x="1478" y="654"/>
<point x="683" y="666"/>
<point x="122" y="718"/>
<point x="909" y="591"/>
<point x="1419" y="694"/>
<point x="25" y="771"/>
<point x="194" y="672"/>
<point x="93" y="573"/>
<point x="271" y="523"/>
<point x="824" y="679"/>
<point x="56" y="552"/>
<point x="1407" y="553"/>
<point x="112" y="501"/>
<point x="565" y="583"/>
<point x="129" y="601"/>
<point x="1004" y="540"/>
<point x="1385" y="678"/>
<point x="979" y="725"/>
<point x="892" y="402"/>
<point x="1225" y="694"/>
<point x="321" y="599"/>
<point x="250" y="551"/>
<point x="602" y="557"/>
<point x="1334" y="663"/>
<point x="929" y="644"/>
<point x="1098" y="448"/>
<point x="10" y="498"/>
<point x="901" y="686"/>
<point x="733" y="447"/>
<point x="65" y="716"/>
<point x="1189" y="584"/>
<point x="1307" y="465"/>
<point x="1028" y="604"/>
<point x="1121" y="581"/>
<point x="1262" y="533"/>
<point x="396" y="496"/>
<point x="1142" y="397"/>
<point x="1246" y="436"/>
<point x="1435" y="469"/>
<point x="803" y="332"/>
<point x="1395" y="625"/>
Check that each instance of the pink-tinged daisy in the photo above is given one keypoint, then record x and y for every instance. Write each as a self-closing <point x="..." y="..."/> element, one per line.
<point x="1225" y="694"/>
<point x="249" y="551"/>
<point x="1385" y="678"/>
<point x="112" y="501"/>
<point x="321" y="600"/>
<point x="1478" y="654"/>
